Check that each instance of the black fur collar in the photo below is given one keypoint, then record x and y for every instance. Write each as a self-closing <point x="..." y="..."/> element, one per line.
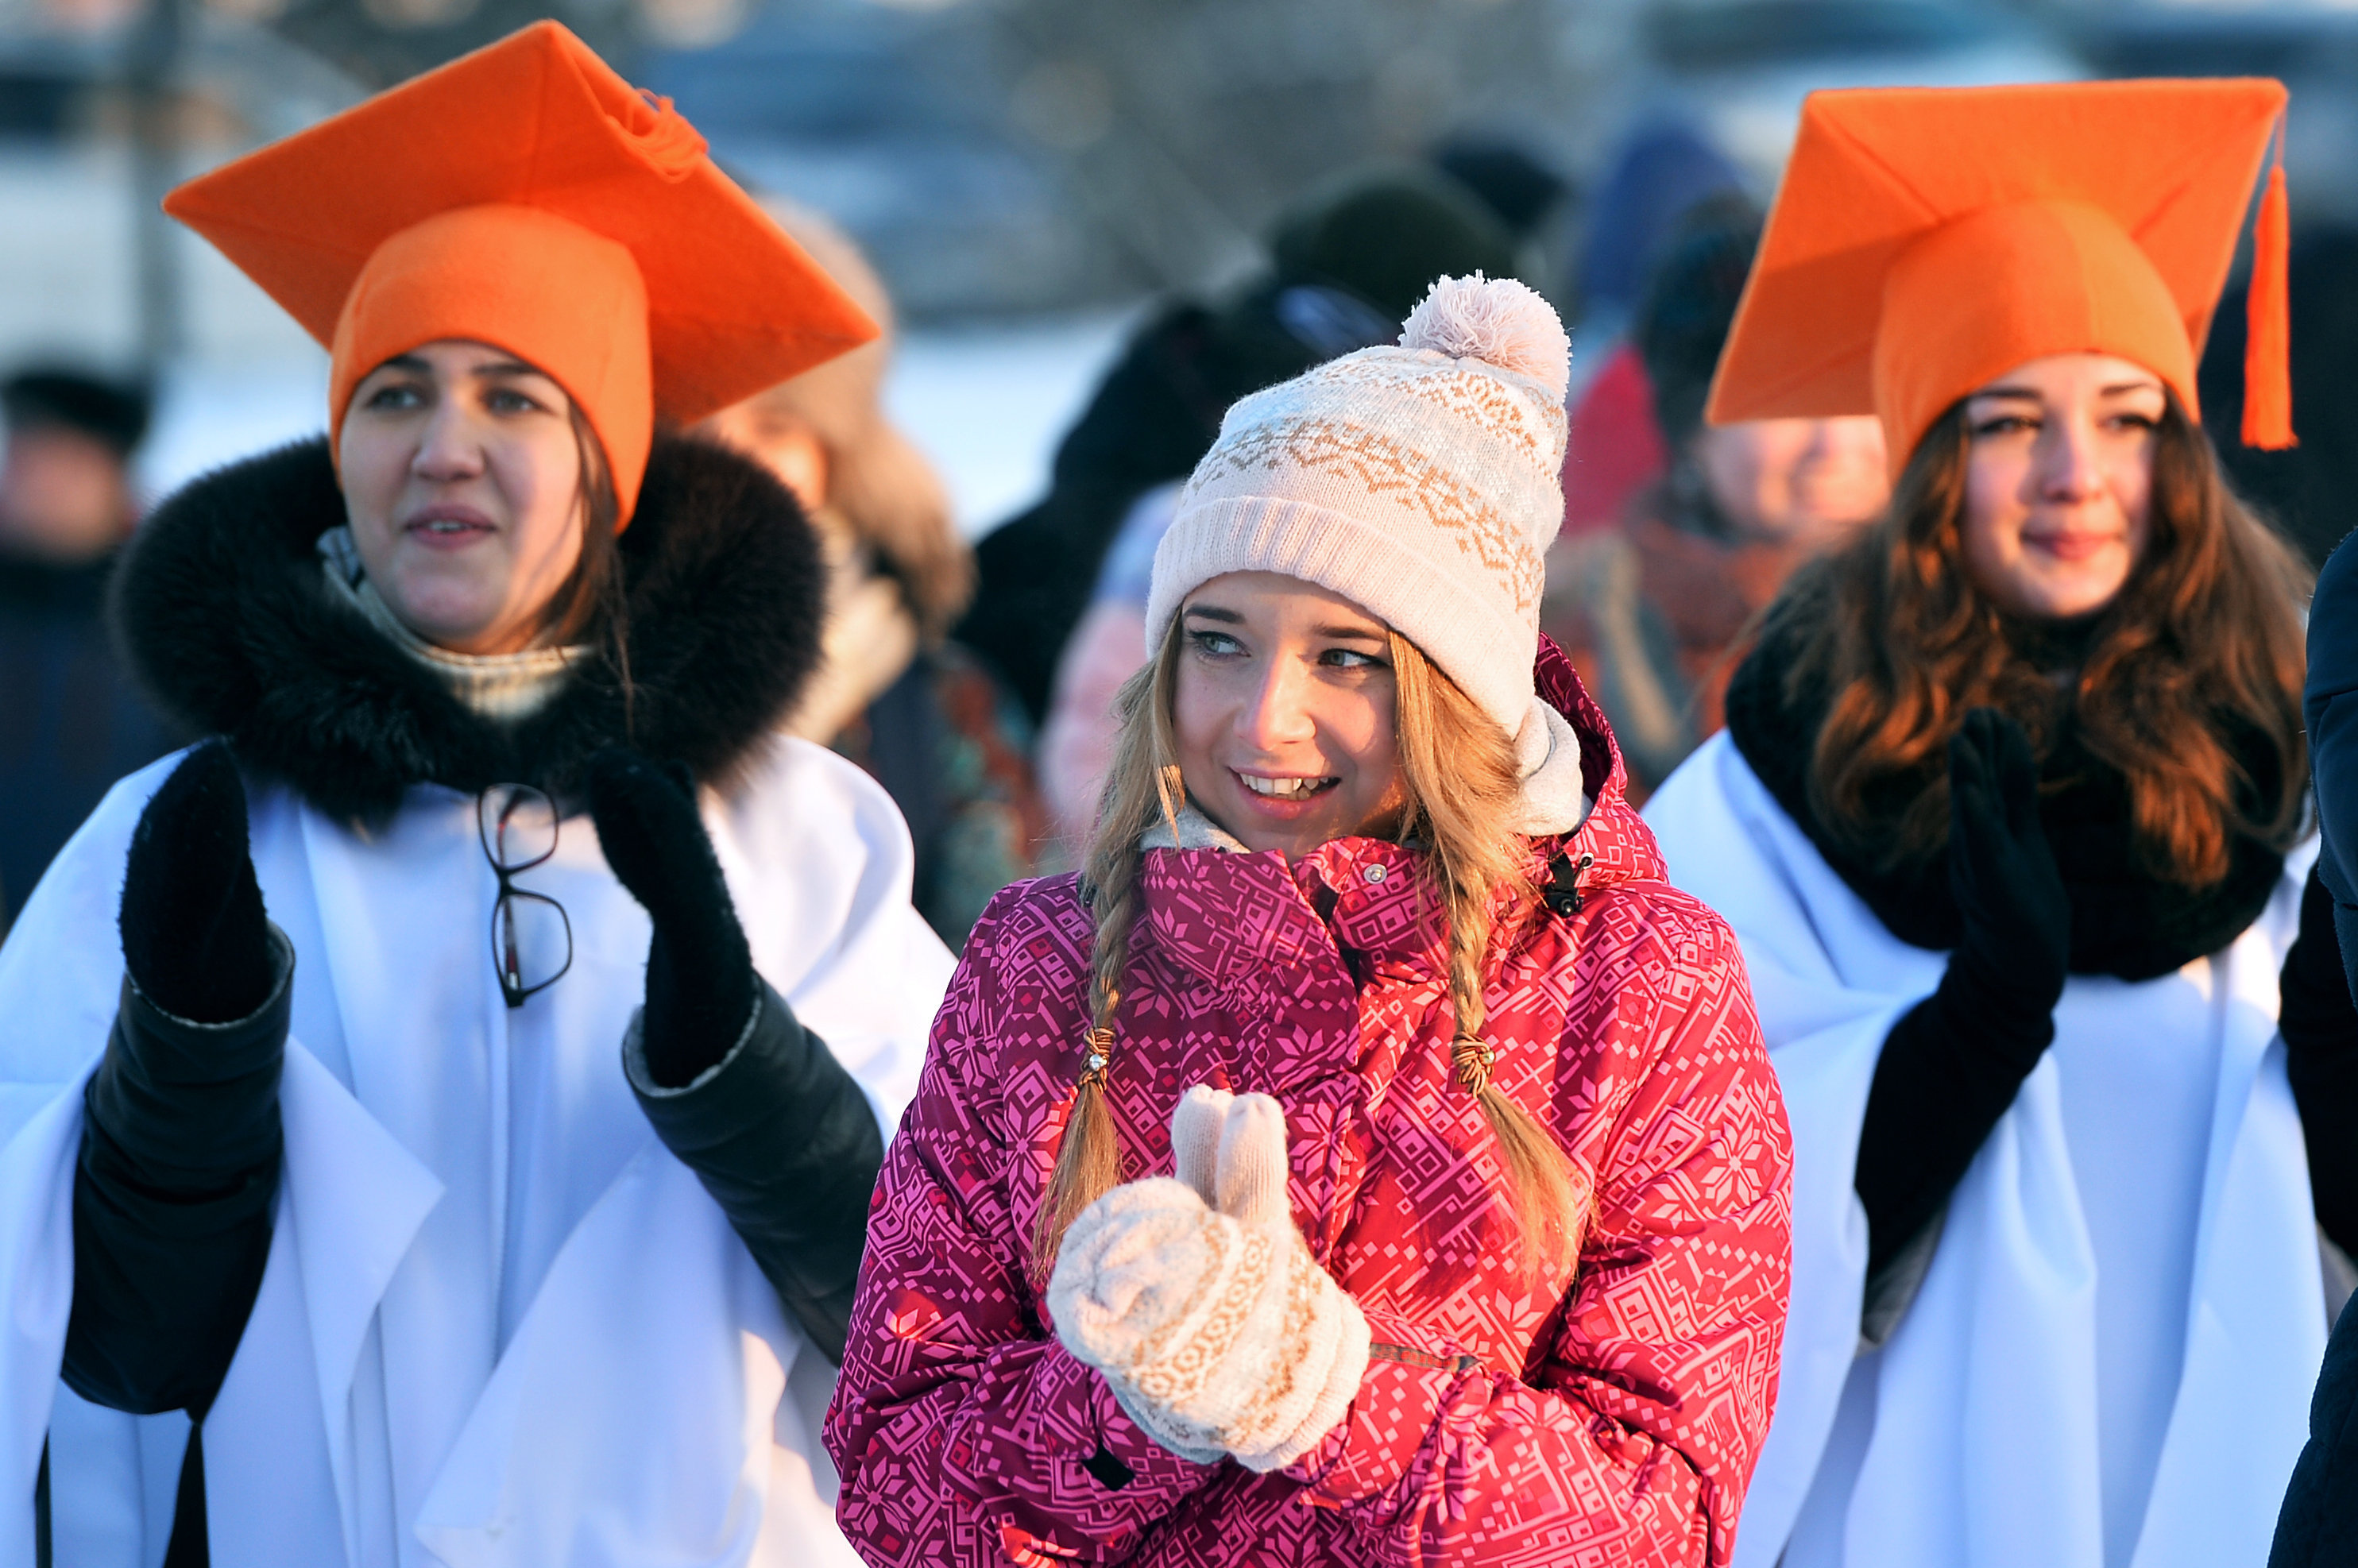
<point x="224" y="611"/>
<point x="2125" y="921"/>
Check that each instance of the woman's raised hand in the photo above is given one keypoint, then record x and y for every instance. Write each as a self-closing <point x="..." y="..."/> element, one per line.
<point x="701" y="982"/>
<point x="1214" y="1327"/>
<point x="196" y="939"/>
<point x="2016" y="952"/>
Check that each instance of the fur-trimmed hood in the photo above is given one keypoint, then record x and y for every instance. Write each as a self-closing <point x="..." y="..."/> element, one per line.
<point x="225" y="613"/>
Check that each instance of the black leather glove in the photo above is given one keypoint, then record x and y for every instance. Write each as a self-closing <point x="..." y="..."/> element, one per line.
<point x="781" y="1137"/>
<point x="1950" y="1069"/>
<point x="181" y="1137"/>
<point x="700" y="981"/>
<point x="195" y="938"/>
<point x="2321" y="1032"/>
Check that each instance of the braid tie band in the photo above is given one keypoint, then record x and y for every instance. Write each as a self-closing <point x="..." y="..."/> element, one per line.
<point x="1099" y="1048"/>
<point x="1472" y="1057"/>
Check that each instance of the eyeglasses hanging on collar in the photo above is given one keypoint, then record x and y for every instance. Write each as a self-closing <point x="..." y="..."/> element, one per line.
<point x="532" y="938"/>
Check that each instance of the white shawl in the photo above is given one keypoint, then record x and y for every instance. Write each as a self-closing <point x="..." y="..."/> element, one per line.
<point x="499" y="1323"/>
<point x="1971" y="1439"/>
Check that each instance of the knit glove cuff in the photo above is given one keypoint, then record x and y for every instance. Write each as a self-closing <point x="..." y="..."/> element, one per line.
<point x="1217" y="1330"/>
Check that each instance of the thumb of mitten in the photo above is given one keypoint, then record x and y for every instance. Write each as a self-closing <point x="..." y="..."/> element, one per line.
<point x="1251" y="1183"/>
<point x="1309" y="1349"/>
<point x="1195" y="1126"/>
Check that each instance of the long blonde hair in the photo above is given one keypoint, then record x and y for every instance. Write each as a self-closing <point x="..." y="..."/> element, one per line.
<point x="1461" y="781"/>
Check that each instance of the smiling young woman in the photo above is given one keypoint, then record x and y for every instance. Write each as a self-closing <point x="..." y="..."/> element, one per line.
<point x="1310" y="1149"/>
<point x="497" y="885"/>
<point x="2009" y="817"/>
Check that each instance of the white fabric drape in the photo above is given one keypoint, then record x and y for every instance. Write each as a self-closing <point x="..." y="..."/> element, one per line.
<point x="499" y="1323"/>
<point x="2110" y="1361"/>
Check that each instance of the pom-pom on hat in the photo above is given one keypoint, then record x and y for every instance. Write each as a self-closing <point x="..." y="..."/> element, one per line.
<point x="1420" y="482"/>
<point x="1927" y="240"/>
<point x="527" y="197"/>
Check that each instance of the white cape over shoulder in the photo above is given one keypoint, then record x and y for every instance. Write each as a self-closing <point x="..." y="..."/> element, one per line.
<point x="1970" y="1439"/>
<point x="499" y="1323"/>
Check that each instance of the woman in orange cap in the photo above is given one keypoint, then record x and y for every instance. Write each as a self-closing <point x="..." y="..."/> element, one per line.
<point x="2009" y="820"/>
<point x="311" y="1122"/>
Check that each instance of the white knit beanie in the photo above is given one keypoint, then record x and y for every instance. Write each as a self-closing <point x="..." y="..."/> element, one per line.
<point x="1420" y="482"/>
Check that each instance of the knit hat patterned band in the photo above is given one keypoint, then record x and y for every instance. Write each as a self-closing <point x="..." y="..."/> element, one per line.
<point x="1420" y="481"/>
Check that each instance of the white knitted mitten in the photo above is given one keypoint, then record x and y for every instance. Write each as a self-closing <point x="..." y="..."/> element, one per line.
<point x="1216" y="1329"/>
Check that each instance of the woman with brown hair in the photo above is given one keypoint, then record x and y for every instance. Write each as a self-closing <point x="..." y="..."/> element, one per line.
<point x="438" y="1111"/>
<point x="2010" y="819"/>
<point x="1468" y="1228"/>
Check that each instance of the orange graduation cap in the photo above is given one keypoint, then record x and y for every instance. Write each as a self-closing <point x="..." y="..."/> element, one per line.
<point x="527" y="197"/>
<point x="1927" y="240"/>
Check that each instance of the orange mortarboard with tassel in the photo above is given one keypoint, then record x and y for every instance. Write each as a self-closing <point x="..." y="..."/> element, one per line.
<point x="527" y="197"/>
<point x="1926" y="241"/>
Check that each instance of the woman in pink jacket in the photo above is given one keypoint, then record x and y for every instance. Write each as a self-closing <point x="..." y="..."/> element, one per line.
<point x="1370" y="1158"/>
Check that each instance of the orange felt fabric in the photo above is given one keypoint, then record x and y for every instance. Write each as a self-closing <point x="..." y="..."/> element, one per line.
<point x="1927" y="240"/>
<point x="436" y="177"/>
<point x="540" y="286"/>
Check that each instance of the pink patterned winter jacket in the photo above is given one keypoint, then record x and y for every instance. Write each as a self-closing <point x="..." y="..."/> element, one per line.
<point x="1616" y="1426"/>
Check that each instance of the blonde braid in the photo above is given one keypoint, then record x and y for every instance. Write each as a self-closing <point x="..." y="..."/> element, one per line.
<point x="1142" y="782"/>
<point x="1461" y="782"/>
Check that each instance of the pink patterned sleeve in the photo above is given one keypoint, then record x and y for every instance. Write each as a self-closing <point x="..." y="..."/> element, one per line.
<point x="1632" y="1439"/>
<point x="963" y="1431"/>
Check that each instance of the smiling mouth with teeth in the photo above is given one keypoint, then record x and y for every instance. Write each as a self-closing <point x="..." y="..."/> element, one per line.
<point x="1287" y="789"/>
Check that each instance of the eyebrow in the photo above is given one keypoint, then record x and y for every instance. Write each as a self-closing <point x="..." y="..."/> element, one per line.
<point x="1230" y="618"/>
<point x="494" y="368"/>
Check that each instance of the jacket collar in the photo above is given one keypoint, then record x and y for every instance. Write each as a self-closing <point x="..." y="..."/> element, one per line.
<point x="231" y="623"/>
<point x="1248" y="920"/>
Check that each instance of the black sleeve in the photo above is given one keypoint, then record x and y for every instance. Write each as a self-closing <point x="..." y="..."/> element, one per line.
<point x="2319" y="1522"/>
<point x="2321" y="1033"/>
<point x="1948" y="1073"/>
<point x="180" y="1166"/>
<point x="787" y="1144"/>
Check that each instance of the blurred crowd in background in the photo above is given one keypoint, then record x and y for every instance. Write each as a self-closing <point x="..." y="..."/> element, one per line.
<point x="1090" y="225"/>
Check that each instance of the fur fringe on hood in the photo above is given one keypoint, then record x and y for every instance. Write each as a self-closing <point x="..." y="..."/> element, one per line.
<point x="222" y="608"/>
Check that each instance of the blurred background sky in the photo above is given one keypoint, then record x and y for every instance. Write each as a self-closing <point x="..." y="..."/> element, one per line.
<point x="1027" y="174"/>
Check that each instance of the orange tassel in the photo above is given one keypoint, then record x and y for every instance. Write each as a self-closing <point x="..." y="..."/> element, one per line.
<point x="2267" y="347"/>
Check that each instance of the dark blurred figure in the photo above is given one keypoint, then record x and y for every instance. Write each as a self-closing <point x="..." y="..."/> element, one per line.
<point x="1665" y="172"/>
<point x="1651" y="610"/>
<point x="1533" y="200"/>
<point x="2308" y="490"/>
<point x="1347" y="264"/>
<point x="1521" y="192"/>
<point x="70" y="721"/>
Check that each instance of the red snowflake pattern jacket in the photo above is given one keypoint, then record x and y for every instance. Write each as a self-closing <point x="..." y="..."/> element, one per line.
<point x="1616" y="1426"/>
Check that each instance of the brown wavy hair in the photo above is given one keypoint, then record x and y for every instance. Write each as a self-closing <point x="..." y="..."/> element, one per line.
<point x="2192" y="670"/>
<point x="1461" y="781"/>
